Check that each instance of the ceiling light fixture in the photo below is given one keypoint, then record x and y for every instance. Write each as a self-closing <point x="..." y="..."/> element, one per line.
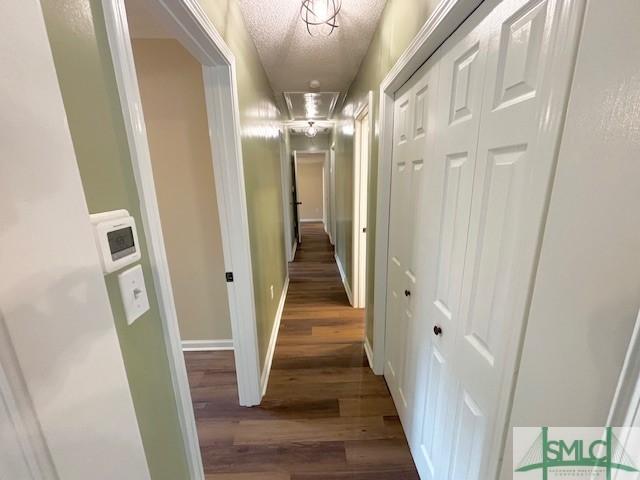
<point x="312" y="131"/>
<point x="320" y="16"/>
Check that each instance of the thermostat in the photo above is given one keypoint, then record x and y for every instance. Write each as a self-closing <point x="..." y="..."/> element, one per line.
<point x="116" y="239"/>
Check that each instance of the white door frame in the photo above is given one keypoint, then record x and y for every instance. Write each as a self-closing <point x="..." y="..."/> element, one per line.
<point x="360" y="186"/>
<point x="191" y="26"/>
<point x="332" y="194"/>
<point x="285" y="178"/>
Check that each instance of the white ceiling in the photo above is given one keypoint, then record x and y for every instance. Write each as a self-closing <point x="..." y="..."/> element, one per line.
<point x="292" y="58"/>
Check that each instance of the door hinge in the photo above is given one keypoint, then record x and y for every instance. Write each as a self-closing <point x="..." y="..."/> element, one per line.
<point x="364" y="230"/>
<point x="229" y="276"/>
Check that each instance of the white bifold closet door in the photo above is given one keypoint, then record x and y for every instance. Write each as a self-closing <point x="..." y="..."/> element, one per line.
<point x="473" y="156"/>
<point x="413" y="132"/>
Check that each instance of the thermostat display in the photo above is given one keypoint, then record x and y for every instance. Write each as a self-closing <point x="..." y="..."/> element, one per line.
<point x="121" y="243"/>
<point x="116" y="239"/>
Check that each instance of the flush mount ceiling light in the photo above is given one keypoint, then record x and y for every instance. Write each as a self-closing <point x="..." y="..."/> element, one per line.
<point x="312" y="131"/>
<point x="320" y="16"/>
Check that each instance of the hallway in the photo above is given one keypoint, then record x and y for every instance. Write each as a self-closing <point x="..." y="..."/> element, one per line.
<point x="325" y="415"/>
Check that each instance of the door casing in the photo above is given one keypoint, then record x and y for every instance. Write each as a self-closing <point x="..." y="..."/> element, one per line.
<point x="361" y="165"/>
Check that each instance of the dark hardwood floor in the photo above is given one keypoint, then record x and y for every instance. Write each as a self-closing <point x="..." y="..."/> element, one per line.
<point x="325" y="416"/>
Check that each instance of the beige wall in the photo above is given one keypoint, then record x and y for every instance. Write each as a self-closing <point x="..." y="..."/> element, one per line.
<point x="399" y="23"/>
<point x="309" y="178"/>
<point x="177" y="129"/>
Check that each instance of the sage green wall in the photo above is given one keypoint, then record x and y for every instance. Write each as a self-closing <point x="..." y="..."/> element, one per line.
<point x="83" y="63"/>
<point x="342" y="140"/>
<point x="399" y="23"/>
<point x="260" y="121"/>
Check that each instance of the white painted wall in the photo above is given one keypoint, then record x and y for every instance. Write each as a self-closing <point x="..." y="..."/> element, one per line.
<point x="57" y="335"/>
<point x="587" y="290"/>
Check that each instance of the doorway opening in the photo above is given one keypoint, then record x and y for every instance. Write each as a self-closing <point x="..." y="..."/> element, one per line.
<point x="361" y="161"/>
<point x="311" y="189"/>
<point x="216" y="186"/>
<point x="177" y="131"/>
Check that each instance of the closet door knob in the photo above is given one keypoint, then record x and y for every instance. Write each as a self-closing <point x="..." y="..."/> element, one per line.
<point x="407" y="293"/>
<point x="437" y="330"/>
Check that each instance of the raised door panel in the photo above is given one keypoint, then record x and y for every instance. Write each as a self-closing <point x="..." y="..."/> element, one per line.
<point x="468" y="435"/>
<point x="433" y="433"/>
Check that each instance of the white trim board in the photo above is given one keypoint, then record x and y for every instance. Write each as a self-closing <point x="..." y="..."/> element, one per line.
<point x="368" y="350"/>
<point x="343" y="277"/>
<point x="191" y="26"/>
<point x="285" y="179"/>
<point x="206" y="345"/>
<point x="264" y="378"/>
<point x="311" y="220"/>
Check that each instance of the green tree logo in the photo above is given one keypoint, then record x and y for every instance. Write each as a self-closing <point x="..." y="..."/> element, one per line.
<point x="607" y="453"/>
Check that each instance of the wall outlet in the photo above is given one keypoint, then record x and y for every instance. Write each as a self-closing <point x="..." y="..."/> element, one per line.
<point x="271" y="289"/>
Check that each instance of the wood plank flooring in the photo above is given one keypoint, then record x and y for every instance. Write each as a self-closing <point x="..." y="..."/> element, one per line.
<point x="325" y="416"/>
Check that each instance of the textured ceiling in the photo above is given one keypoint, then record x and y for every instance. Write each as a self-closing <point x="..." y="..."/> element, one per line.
<point x="292" y="58"/>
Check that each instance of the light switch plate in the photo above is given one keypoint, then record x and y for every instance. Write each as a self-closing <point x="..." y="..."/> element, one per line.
<point x="133" y="292"/>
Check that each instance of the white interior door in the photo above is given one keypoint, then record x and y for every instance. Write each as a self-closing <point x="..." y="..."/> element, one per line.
<point x="464" y="233"/>
<point x="510" y="189"/>
<point x="412" y="144"/>
<point x="456" y="113"/>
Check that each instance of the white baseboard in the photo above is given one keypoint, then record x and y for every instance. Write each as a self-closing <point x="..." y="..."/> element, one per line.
<point x="343" y="276"/>
<point x="264" y="379"/>
<point x="310" y="220"/>
<point x="369" y="351"/>
<point x="206" y="345"/>
<point x="293" y="251"/>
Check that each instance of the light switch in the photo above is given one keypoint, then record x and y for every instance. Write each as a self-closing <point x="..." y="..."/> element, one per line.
<point x="133" y="292"/>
